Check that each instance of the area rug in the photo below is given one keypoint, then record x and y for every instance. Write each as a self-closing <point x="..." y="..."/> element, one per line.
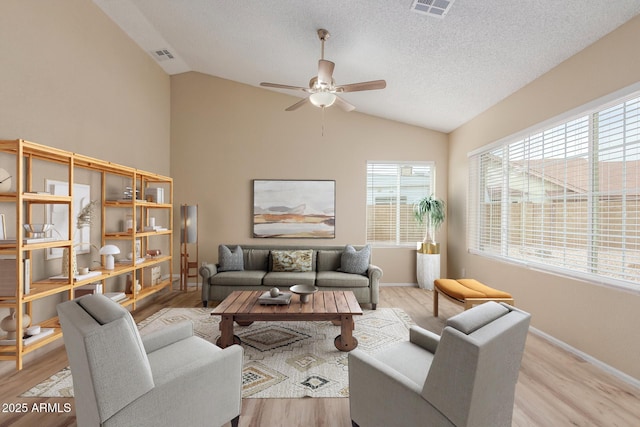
<point x="281" y="359"/>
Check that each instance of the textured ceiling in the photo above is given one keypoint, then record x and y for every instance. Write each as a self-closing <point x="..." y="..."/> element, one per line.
<point x="440" y="73"/>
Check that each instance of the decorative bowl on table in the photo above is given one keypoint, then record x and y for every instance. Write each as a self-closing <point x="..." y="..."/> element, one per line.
<point x="37" y="231"/>
<point x="304" y="291"/>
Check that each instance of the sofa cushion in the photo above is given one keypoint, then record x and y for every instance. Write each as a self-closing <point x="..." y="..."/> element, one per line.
<point x="238" y="278"/>
<point x="230" y="260"/>
<point x="329" y="260"/>
<point x="286" y="279"/>
<point x="292" y="261"/>
<point x="336" y="279"/>
<point x="256" y="259"/>
<point x="354" y="261"/>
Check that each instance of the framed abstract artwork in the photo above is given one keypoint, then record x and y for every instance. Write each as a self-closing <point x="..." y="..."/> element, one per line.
<point x="294" y="209"/>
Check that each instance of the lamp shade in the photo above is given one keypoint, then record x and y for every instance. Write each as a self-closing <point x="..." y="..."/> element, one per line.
<point x="188" y="224"/>
<point x="109" y="250"/>
<point x="322" y="99"/>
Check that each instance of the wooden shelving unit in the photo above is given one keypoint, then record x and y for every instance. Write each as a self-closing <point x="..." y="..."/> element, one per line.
<point x="139" y="209"/>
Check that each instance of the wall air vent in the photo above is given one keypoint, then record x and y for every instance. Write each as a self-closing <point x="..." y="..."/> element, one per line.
<point x="435" y="8"/>
<point x="161" y="54"/>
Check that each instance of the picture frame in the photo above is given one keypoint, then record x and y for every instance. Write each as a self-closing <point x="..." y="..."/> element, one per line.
<point x="58" y="215"/>
<point x="294" y="209"/>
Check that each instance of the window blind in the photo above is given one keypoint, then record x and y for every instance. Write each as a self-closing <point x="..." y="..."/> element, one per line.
<point x="392" y="190"/>
<point x="565" y="198"/>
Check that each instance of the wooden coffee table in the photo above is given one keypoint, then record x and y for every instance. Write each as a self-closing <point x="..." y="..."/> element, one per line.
<point x="243" y="308"/>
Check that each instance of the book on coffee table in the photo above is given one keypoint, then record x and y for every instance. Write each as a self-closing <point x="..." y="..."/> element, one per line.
<point x="282" y="299"/>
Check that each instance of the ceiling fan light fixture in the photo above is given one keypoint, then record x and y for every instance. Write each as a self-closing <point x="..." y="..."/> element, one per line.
<point x="322" y="88"/>
<point x="322" y="99"/>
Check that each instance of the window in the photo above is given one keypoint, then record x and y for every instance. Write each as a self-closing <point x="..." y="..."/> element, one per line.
<point x="565" y="198"/>
<point x="392" y="190"/>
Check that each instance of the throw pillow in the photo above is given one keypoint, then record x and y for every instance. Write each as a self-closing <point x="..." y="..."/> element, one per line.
<point x="300" y="260"/>
<point x="356" y="262"/>
<point x="230" y="260"/>
<point x="329" y="260"/>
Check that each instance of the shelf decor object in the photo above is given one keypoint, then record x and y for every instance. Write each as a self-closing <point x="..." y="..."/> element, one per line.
<point x="5" y="181"/>
<point x="66" y="253"/>
<point x="188" y="236"/>
<point x="58" y="215"/>
<point x="109" y="251"/>
<point x="3" y="228"/>
<point x="38" y="231"/>
<point x="10" y="325"/>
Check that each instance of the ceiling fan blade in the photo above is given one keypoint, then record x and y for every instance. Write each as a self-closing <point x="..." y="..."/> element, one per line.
<point x="343" y="104"/>
<point x="279" y="86"/>
<point x="355" y="87"/>
<point x="298" y="104"/>
<point x="325" y="71"/>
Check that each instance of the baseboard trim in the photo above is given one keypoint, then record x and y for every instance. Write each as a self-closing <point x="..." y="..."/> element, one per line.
<point x="589" y="359"/>
<point x="176" y="284"/>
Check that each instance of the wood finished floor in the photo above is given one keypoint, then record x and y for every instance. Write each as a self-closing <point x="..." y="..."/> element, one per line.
<point x="555" y="388"/>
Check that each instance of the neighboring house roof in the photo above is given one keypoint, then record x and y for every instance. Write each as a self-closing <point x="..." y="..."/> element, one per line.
<point x="555" y="177"/>
<point x="573" y="174"/>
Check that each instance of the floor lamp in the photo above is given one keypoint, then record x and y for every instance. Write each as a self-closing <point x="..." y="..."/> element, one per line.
<point x="188" y="236"/>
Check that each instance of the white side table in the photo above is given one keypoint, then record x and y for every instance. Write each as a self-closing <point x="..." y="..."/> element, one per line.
<point x="427" y="269"/>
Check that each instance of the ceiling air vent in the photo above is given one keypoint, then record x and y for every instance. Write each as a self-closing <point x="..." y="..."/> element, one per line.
<point x="161" y="54"/>
<point x="435" y="8"/>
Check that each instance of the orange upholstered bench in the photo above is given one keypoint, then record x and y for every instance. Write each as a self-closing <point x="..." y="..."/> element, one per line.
<point x="467" y="292"/>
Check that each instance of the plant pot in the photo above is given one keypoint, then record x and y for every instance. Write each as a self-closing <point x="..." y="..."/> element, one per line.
<point x="427" y="269"/>
<point x="429" y="248"/>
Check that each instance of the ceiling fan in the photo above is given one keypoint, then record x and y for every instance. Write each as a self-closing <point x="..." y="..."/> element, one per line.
<point x="322" y="89"/>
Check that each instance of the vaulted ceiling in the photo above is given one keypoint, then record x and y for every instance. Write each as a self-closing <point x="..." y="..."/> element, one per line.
<point x="440" y="71"/>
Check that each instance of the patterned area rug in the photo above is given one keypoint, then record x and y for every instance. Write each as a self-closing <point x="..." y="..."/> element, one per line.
<point x="281" y="359"/>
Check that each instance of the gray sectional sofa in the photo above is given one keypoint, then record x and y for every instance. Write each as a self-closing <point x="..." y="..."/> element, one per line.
<point x="261" y="267"/>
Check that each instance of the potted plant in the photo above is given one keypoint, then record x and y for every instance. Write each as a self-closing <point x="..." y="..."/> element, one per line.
<point x="431" y="212"/>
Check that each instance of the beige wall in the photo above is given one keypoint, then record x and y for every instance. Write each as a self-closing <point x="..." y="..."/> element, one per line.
<point x="598" y="320"/>
<point x="71" y="79"/>
<point x="226" y="134"/>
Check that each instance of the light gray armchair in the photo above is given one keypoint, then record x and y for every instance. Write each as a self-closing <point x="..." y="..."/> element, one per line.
<point x="164" y="378"/>
<point x="465" y="377"/>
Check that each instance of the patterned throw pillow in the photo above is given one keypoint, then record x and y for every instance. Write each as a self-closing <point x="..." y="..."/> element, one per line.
<point x="356" y="262"/>
<point x="300" y="260"/>
<point x="230" y="260"/>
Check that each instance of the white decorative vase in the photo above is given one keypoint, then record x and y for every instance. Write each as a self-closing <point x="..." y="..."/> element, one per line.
<point x="65" y="262"/>
<point x="8" y="324"/>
